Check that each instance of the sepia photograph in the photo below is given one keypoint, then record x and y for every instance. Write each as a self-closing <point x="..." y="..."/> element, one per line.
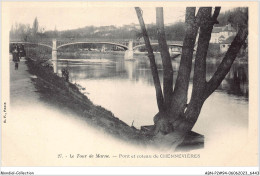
<point x="129" y="84"/>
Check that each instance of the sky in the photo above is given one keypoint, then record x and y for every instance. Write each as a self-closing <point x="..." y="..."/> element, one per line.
<point x="64" y="18"/>
<point x="71" y="18"/>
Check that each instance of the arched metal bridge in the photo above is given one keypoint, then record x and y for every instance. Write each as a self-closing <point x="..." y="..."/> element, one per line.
<point x="109" y="43"/>
<point x="76" y="43"/>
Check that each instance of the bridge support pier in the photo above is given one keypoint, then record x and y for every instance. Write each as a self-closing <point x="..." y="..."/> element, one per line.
<point x="54" y="55"/>
<point x="129" y="54"/>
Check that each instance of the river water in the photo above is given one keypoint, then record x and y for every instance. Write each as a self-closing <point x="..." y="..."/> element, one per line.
<point x="126" y="88"/>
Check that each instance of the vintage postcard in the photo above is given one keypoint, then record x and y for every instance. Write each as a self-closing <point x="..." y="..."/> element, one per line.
<point x="129" y="84"/>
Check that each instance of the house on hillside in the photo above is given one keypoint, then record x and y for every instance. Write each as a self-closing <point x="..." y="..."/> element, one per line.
<point x="225" y="44"/>
<point x="220" y="34"/>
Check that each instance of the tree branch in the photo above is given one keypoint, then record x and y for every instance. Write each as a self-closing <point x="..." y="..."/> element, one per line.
<point x="180" y="92"/>
<point x="215" y="14"/>
<point x="206" y="27"/>
<point x="166" y="60"/>
<point x="156" y="80"/>
<point x="227" y="62"/>
<point x="199" y="78"/>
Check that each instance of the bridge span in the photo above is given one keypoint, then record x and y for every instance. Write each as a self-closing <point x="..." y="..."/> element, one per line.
<point x="175" y="48"/>
<point x="108" y="43"/>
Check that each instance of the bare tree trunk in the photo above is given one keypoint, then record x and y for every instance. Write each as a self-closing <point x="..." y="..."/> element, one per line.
<point x="176" y="123"/>
<point x="156" y="80"/>
<point x="199" y="79"/>
<point x="180" y="92"/>
<point x="201" y="88"/>
<point x="165" y="122"/>
<point x="166" y="60"/>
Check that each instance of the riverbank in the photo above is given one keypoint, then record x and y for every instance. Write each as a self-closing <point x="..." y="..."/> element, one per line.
<point x="38" y="130"/>
<point x="66" y="94"/>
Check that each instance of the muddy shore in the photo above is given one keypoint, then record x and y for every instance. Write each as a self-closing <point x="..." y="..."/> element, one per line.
<point x="66" y="94"/>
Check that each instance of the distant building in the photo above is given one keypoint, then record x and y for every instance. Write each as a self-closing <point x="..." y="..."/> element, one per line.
<point x="225" y="44"/>
<point x="220" y="34"/>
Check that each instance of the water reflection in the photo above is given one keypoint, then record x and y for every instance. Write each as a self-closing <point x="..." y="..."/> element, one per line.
<point x="126" y="87"/>
<point x="235" y="82"/>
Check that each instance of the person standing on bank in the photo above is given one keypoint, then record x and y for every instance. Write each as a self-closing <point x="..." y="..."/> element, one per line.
<point x="16" y="59"/>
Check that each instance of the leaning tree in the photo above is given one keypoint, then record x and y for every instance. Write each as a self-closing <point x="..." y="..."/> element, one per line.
<point x="176" y="116"/>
